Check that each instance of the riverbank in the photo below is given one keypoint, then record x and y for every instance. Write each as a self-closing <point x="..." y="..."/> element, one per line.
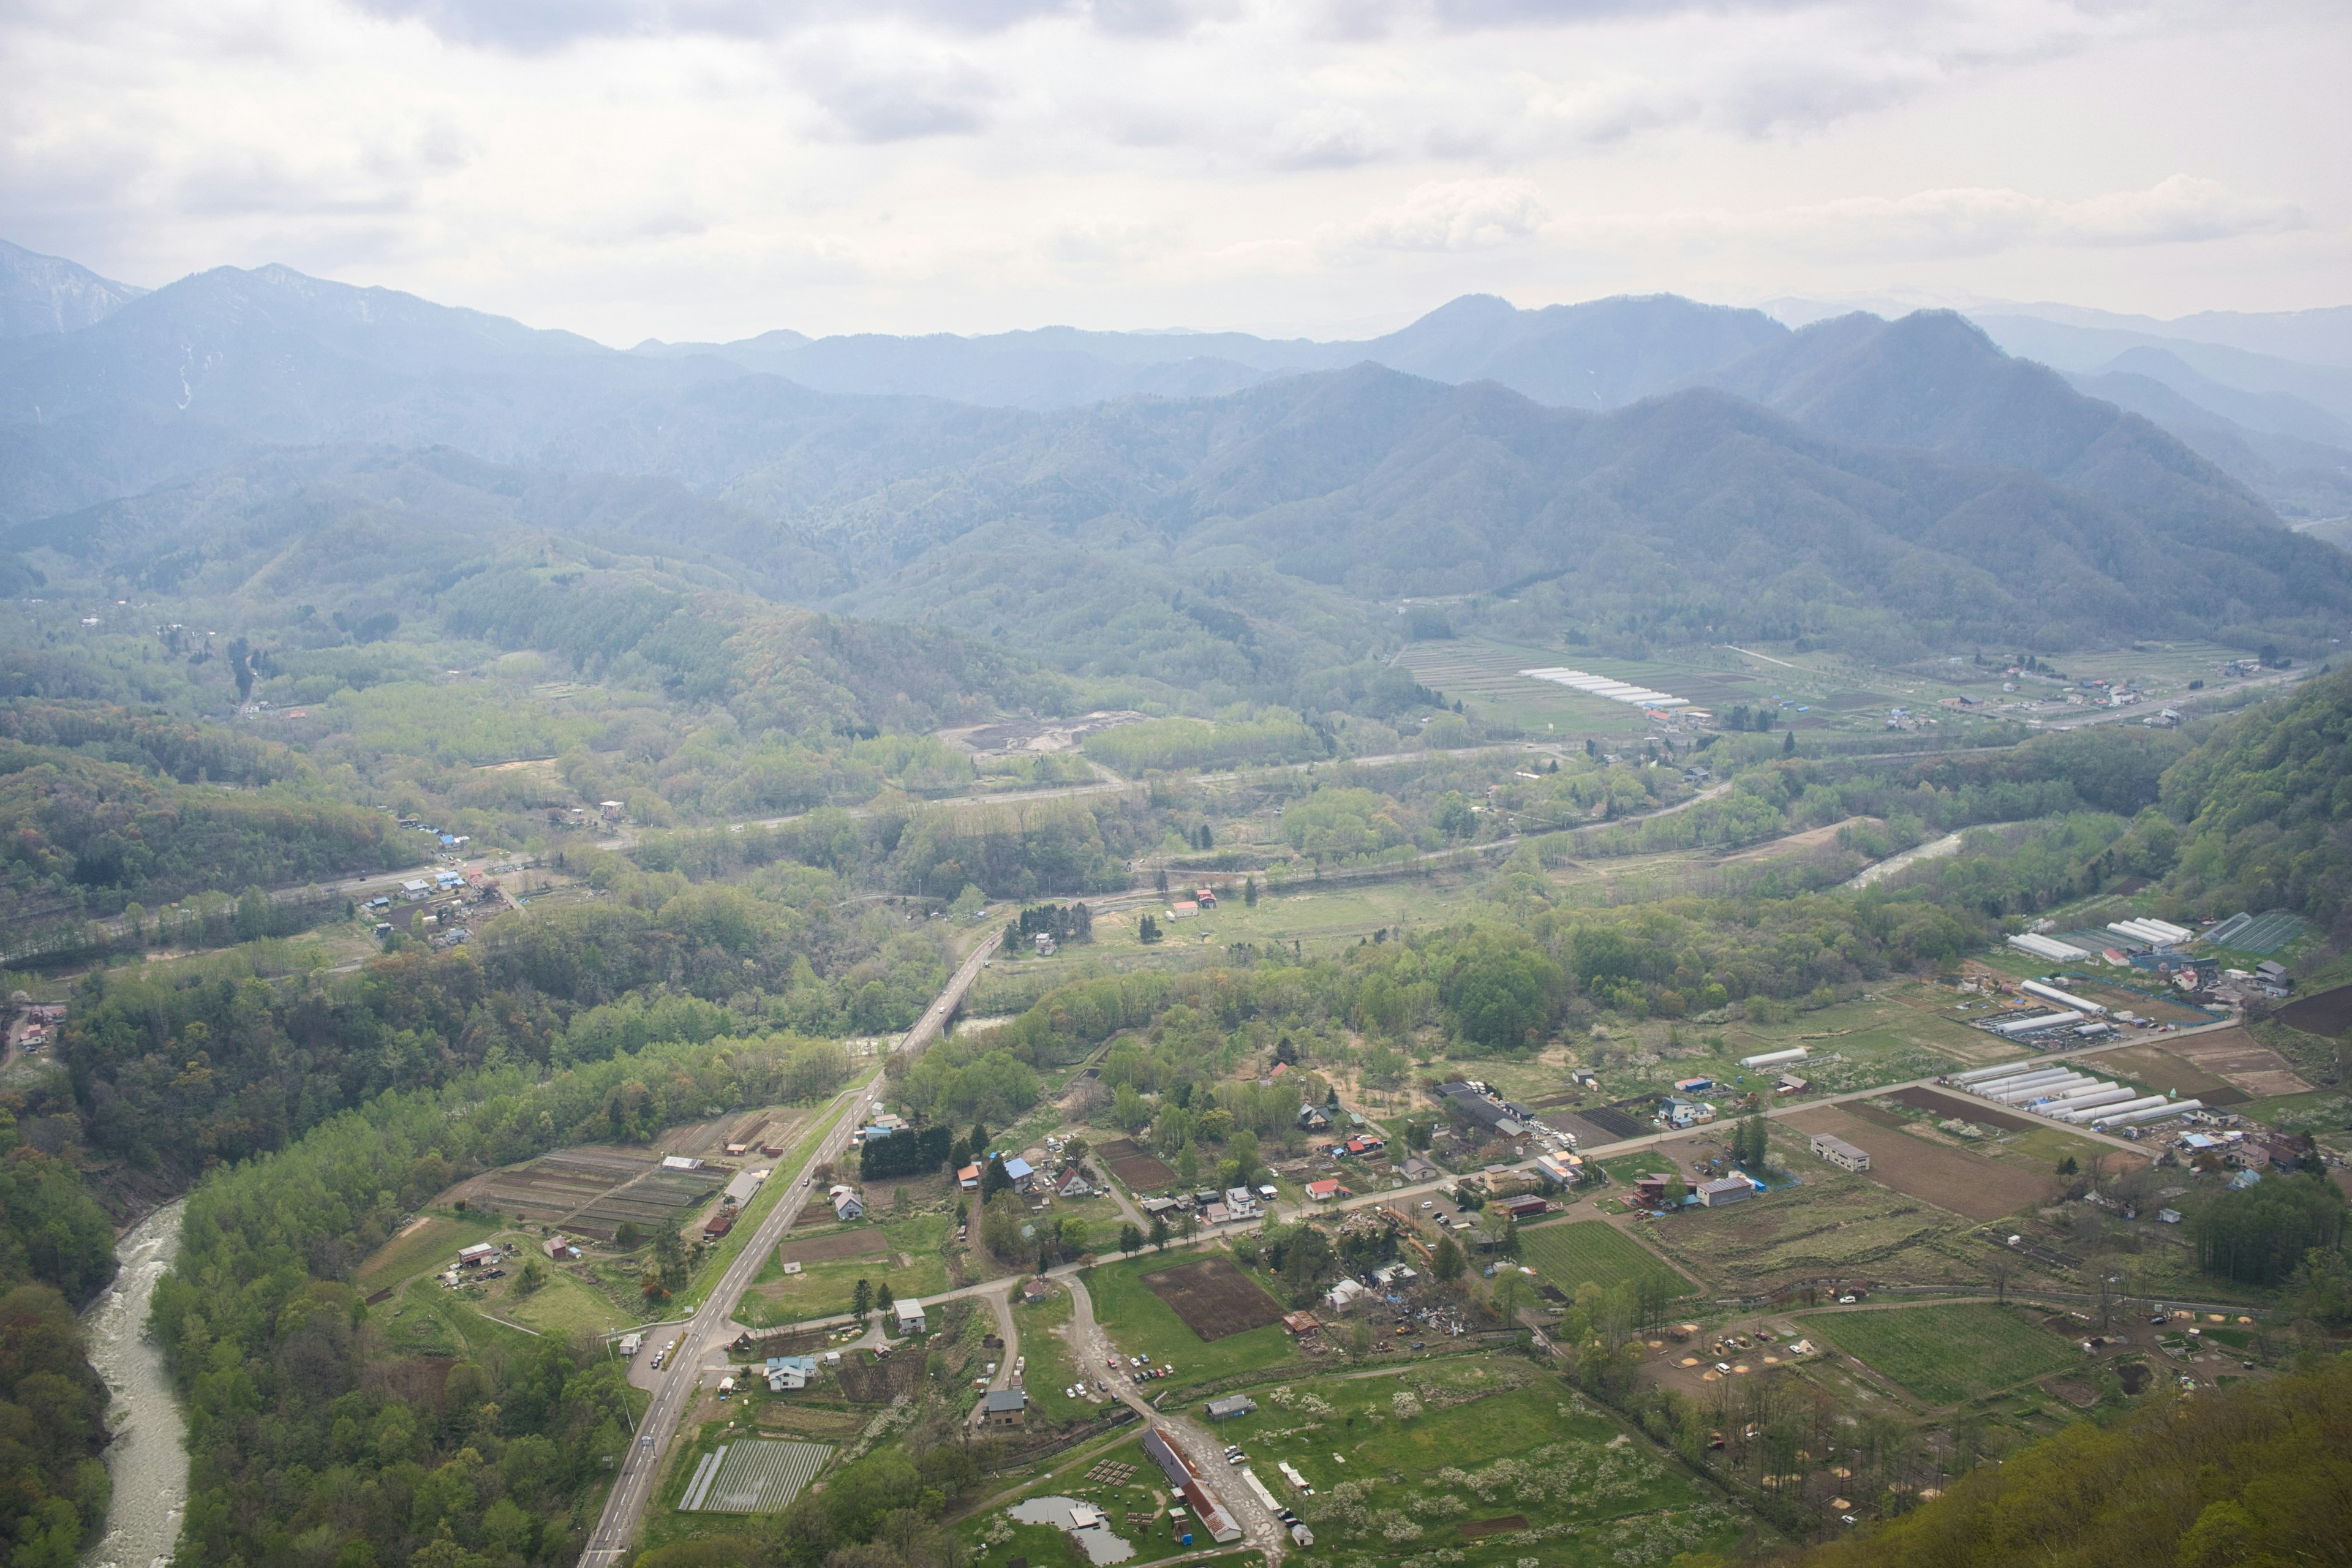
<point x="148" y="1458"/>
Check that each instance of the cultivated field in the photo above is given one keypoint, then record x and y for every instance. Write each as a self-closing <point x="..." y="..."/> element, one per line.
<point x="2161" y="1069"/>
<point x="553" y="1186"/>
<point x="1961" y="1180"/>
<point x="1567" y="1256"/>
<point x="2238" y="1057"/>
<point x="1214" y="1298"/>
<point x="864" y="1242"/>
<point x="1954" y="1107"/>
<point x="1140" y="1322"/>
<point x="1139" y="1172"/>
<point x="1946" y="1355"/>
<point x="2329" y="1013"/>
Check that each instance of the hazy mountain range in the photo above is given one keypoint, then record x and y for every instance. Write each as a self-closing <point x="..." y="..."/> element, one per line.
<point x="1643" y="467"/>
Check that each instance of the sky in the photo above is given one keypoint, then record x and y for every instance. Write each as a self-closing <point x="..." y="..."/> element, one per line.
<point x="713" y="169"/>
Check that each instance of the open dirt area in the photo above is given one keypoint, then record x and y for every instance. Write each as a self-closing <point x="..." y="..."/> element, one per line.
<point x="1140" y="1173"/>
<point x="2161" y="1069"/>
<point x="1214" y="1298"/>
<point x="2238" y="1058"/>
<point x="1956" y="1179"/>
<point x="2329" y="1013"/>
<point x="837" y="1248"/>
<point x="1510" y="1524"/>
<point x="1833" y="1228"/>
<point x="1957" y="1107"/>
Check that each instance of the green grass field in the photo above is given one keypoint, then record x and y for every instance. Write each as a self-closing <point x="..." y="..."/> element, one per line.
<point x="564" y="1306"/>
<point x="1946" y="1355"/>
<point x="1052" y="1366"/>
<point x="822" y="1290"/>
<point x="432" y="1244"/>
<point x="1141" y="1323"/>
<point x="1568" y="1255"/>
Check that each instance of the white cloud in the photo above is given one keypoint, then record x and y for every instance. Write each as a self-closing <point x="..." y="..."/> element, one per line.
<point x="1976" y="222"/>
<point x="1453" y="215"/>
<point x="696" y="168"/>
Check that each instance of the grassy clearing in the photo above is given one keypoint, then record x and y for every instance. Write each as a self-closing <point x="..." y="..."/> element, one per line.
<point x="1946" y="1355"/>
<point x="1301" y="912"/>
<point x="1833" y="1225"/>
<point x="2321" y="1112"/>
<point x="432" y="1244"/>
<point x="1053" y="1366"/>
<point x="1141" y="1323"/>
<point x="822" y="1290"/>
<point x="564" y="1306"/>
<point x="1567" y="1256"/>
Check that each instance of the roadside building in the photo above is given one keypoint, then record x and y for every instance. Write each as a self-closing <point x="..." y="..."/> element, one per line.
<point x="910" y="1315"/>
<point x="1007" y="1407"/>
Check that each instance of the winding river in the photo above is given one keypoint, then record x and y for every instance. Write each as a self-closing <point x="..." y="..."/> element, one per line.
<point x="149" y="1456"/>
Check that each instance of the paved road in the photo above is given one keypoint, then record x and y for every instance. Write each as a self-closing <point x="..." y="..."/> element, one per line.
<point x="711" y="1326"/>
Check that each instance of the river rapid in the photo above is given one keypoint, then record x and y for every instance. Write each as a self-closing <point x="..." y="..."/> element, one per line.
<point x="148" y="1458"/>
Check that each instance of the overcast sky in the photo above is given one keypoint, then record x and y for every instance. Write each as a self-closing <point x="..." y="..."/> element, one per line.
<point x="716" y="168"/>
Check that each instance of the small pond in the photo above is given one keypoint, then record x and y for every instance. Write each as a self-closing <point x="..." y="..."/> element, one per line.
<point x="1101" y="1546"/>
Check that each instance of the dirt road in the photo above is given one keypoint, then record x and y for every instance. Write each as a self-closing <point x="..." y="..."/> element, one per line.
<point x="1093" y="1349"/>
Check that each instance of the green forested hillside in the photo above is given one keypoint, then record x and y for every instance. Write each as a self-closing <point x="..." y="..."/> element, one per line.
<point x="56" y="1252"/>
<point x="2266" y="805"/>
<point x="2258" y="1475"/>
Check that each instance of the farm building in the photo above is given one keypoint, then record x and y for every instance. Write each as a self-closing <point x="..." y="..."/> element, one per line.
<point x="910" y="1315"/>
<point x="968" y="1178"/>
<point x="1007" y="1407"/>
<point x="738" y="1191"/>
<point x="719" y="1225"/>
<point x="1023" y="1175"/>
<point x="1840" y="1152"/>
<point x="1728" y="1190"/>
<point x="1526" y="1206"/>
<point x="680" y="1162"/>
<point x="1188" y="1482"/>
<point x="1225" y="1409"/>
<point x="481" y="1252"/>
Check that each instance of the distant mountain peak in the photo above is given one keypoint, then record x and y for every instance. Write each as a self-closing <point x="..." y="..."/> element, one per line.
<point x="41" y="295"/>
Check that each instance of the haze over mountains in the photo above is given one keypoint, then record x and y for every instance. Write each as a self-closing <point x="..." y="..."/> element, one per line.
<point x="1645" y="468"/>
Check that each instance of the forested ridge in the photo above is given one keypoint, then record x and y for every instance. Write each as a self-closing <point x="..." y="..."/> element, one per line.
<point x="2256" y="1475"/>
<point x="306" y="1425"/>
